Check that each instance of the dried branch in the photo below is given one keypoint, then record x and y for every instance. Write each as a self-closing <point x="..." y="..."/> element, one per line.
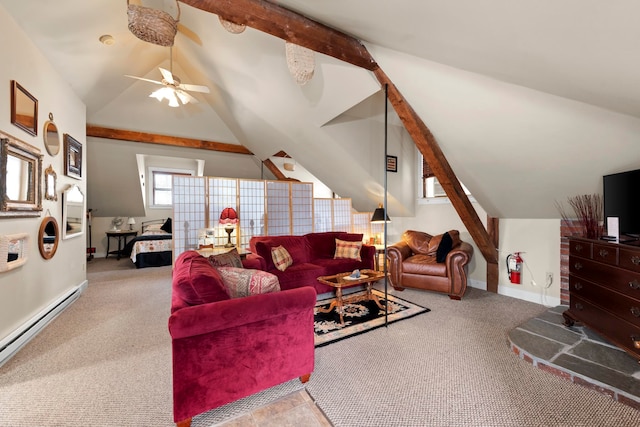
<point x="589" y="210"/>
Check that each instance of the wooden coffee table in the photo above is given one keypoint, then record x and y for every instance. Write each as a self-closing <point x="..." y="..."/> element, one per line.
<point x="342" y="280"/>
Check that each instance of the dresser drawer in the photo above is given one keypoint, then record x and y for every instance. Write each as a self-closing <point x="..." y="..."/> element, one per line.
<point x="623" y="281"/>
<point x="581" y="248"/>
<point x="605" y="253"/>
<point x="629" y="259"/>
<point x="620" y="305"/>
<point x="620" y="332"/>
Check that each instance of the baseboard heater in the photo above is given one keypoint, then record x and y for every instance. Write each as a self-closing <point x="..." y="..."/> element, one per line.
<point x="27" y="331"/>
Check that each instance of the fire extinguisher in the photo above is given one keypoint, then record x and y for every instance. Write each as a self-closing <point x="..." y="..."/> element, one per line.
<point x="514" y="267"/>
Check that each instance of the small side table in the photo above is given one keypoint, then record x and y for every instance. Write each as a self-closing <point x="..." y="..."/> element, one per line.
<point x="121" y="235"/>
<point x="379" y="252"/>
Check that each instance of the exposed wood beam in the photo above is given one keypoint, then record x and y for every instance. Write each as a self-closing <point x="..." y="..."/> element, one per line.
<point x="493" y="278"/>
<point x="293" y="27"/>
<point x="274" y="169"/>
<point x="153" y="138"/>
<point x="430" y="149"/>
<point x="290" y="26"/>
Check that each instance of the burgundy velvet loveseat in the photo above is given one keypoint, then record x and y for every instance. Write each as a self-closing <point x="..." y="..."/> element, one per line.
<point x="313" y="256"/>
<point x="227" y="348"/>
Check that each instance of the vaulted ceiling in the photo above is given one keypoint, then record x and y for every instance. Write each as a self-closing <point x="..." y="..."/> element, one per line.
<point x="531" y="101"/>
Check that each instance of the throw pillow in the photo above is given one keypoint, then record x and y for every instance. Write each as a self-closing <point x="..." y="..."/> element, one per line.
<point x="227" y="259"/>
<point x="348" y="250"/>
<point x="281" y="258"/>
<point x="166" y="226"/>
<point x="241" y="282"/>
<point x="444" y="248"/>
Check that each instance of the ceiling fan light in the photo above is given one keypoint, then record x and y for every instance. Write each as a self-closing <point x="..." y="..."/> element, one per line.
<point x="182" y="96"/>
<point x="173" y="101"/>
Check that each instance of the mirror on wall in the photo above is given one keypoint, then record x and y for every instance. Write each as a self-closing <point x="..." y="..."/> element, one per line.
<point x="48" y="237"/>
<point x="20" y="178"/>
<point x="73" y="212"/>
<point x="14" y="250"/>
<point x="50" y="178"/>
<point x="24" y="109"/>
<point x="52" y="138"/>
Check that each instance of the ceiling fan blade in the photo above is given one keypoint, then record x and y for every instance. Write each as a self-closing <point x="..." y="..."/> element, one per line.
<point x="185" y="97"/>
<point x="194" y="88"/>
<point x="144" y="80"/>
<point x="167" y="75"/>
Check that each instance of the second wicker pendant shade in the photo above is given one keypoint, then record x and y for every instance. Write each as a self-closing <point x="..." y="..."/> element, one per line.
<point x="301" y="62"/>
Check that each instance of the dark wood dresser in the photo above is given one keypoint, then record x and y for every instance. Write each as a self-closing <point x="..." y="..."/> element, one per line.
<point x="604" y="286"/>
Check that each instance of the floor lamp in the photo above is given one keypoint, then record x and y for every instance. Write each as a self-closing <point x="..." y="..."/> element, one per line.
<point x="380" y="214"/>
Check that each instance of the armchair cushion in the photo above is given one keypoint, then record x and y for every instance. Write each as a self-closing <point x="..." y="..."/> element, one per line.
<point x="419" y="242"/>
<point x="241" y="282"/>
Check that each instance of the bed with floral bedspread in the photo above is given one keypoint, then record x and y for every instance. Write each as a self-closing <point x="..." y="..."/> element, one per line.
<point x="152" y="248"/>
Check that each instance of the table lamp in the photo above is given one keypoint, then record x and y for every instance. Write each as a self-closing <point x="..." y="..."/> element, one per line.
<point x="131" y="222"/>
<point x="229" y="218"/>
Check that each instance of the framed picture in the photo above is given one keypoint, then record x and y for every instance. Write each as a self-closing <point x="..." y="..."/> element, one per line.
<point x="72" y="157"/>
<point x="392" y="164"/>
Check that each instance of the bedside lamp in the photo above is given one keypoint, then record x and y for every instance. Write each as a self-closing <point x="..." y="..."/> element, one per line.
<point x="131" y="222"/>
<point x="229" y="218"/>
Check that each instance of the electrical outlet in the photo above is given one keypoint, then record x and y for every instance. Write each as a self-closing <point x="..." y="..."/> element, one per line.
<point x="549" y="278"/>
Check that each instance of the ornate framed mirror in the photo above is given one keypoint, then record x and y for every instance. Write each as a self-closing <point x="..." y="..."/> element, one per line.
<point x="14" y="249"/>
<point x="50" y="178"/>
<point x="52" y="138"/>
<point x="24" y="109"/>
<point x="48" y="237"/>
<point x="20" y="178"/>
<point x="73" y="212"/>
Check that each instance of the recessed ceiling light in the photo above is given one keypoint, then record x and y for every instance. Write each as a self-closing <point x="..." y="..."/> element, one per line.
<point x="107" y="39"/>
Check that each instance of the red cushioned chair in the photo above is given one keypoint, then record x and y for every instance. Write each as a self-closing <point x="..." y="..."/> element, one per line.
<point x="226" y="349"/>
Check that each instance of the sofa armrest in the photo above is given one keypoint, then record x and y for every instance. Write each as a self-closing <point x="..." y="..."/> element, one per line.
<point x="368" y="255"/>
<point x="456" y="262"/>
<point x="224" y="315"/>
<point x="254" y="261"/>
<point x="397" y="253"/>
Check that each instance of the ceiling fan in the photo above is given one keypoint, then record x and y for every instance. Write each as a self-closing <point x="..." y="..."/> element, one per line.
<point x="173" y="89"/>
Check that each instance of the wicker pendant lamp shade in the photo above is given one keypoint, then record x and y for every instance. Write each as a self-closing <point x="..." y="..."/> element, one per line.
<point x="152" y="25"/>
<point x="301" y="62"/>
<point x="231" y="27"/>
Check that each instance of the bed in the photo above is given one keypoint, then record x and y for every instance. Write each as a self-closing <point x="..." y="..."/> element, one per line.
<point x="153" y="247"/>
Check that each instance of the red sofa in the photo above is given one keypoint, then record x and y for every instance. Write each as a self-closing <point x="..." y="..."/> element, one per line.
<point x="313" y="256"/>
<point x="224" y="349"/>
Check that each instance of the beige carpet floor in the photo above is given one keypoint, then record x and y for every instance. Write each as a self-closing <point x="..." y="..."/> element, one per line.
<point x="106" y="361"/>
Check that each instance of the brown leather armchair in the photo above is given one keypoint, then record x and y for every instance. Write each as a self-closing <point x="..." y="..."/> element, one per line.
<point x="434" y="263"/>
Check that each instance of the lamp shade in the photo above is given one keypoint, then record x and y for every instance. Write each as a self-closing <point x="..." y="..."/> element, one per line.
<point x="379" y="215"/>
<point x="131" y="221"/>
<point x="228" y="216"/>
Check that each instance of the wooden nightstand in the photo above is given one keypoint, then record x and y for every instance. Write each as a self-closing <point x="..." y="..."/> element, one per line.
<point x="121" y="235"/>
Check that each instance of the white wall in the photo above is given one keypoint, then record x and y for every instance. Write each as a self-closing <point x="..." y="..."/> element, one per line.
<point x="27" y="290"/>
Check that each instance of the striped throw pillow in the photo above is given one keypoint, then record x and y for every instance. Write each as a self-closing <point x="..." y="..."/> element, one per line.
<point x="348" y="250"/>
<point x="281" y="258"/>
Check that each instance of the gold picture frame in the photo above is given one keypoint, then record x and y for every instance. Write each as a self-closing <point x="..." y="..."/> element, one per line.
<point x="72" y="157"/>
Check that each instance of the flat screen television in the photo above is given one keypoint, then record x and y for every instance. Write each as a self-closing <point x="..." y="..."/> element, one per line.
<point x="621" y="193"/>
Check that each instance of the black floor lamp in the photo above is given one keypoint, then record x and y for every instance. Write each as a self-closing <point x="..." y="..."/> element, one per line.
<point x="380" y="214"/>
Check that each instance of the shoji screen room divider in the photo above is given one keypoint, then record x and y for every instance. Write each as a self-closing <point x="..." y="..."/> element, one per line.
<point x="264" y="208"/>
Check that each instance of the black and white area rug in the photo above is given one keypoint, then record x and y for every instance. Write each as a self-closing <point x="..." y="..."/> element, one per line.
<point x="359" y="317"/>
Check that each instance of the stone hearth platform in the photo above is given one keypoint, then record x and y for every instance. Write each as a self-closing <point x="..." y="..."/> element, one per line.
<point x="579" y="355"/>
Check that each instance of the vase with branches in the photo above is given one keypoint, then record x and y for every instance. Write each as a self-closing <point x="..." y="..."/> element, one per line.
<point x="589" y="211"/>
